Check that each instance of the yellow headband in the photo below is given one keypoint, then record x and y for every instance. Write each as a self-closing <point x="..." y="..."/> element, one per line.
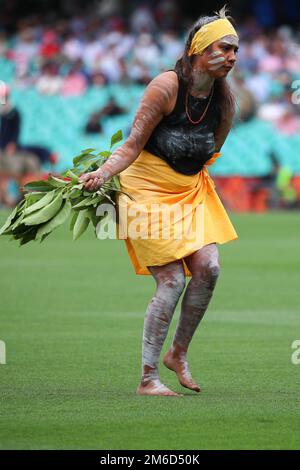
<point x="210" y="33"/>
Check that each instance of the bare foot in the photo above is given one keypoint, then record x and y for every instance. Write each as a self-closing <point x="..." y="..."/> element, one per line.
<point x="180" y="366"/>
<point x="155" y="387"/>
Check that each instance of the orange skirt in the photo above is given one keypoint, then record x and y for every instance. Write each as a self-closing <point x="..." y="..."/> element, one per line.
<point x="170" y="215"/>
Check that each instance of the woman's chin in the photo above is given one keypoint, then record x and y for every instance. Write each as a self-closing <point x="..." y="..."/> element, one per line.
<point x="221" y="73"/>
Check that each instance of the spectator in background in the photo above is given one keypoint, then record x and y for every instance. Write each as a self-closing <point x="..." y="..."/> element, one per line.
<point x="272" y="110"/>
<point x="139" y="73"/>
<point x="10" y="127"/>
<point x="43" y="153"/>
<point x="107" y="8"/>
<point x="73" y="48"/>
<point x="25" y="52"/>
<point x="110" y="65"/>
<point x="10" y="124"/>
<point x="14" y="162"/>
<point x="93" y="126"/>
<point x="172" y="47"/>
<point x="50" y="46"/>
<point x="3" y="43"/>
<point x="167" y="15"/>
<point x="98" y="79"/>
<point x="49" y="82"/>
<point x="92" y="51"/>
<point x="111" y="109"/>
<point x="142" y="20"/>
<point x="248" y="60"/>
<point x="74" y="84"/>
<point x="274" y="60"/>
<point x="288" y="123"/>
<point x="146" y="51"/>
<point x="268" y="182"/>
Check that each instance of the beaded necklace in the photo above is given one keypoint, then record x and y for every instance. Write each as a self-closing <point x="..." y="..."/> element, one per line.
<point x="205" y="111"/>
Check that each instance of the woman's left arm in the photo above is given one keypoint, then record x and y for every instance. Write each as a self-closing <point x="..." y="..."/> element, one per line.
<point x="222" y="132"/>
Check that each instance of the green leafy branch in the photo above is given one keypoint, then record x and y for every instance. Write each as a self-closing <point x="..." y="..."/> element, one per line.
<point x="49" y="203"/>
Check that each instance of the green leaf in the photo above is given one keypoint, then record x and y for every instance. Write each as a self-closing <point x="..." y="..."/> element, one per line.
<point x="87" y="201"/>
<point x="117" y="137"/>
<point x="75" y="193"/>
<point x="46" y="213"/>
<point x="56" y="182"/>
<point x="9" y="220"/>
<point x="105" y="154"/>
<point x="87" y="151"/>
<point x="91" y="213"/>
<point x="52" y="201"/>
<point x="81" y="159"/>
<point x="78" y="186"/>
<point x="22" y="231"/>
<point x="106" y="195"/>
<point x="44" y="236"/>
<point x="72" y="175"/>
<point x="38" y="186"/>
<point x="73" y="219"/>
<point x="56" y="221"/>
<point x="29" y="236"/>
<point x="74" y="170"/>
<point x="17" y="222"/>
<point x="31" y="198"/>
<point x="93" y="164"/>
<point x="94" y="167"/>
<point x="116" y="182"/>
<point x="81" y="224"/>
<point x="94" y="219"/>
<point x="46" y="199"/>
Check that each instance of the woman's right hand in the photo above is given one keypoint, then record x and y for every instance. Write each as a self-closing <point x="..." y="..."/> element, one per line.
<point x="93" y="180"/>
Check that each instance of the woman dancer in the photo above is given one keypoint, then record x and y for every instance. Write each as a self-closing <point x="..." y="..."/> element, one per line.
<point x="181" y="124"/>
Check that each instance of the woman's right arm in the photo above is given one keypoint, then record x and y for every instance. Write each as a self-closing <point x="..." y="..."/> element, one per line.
<point x="154" y="105"/>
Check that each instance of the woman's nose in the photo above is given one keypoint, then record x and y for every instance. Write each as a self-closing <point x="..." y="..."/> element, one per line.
<point x="232" y="57"/>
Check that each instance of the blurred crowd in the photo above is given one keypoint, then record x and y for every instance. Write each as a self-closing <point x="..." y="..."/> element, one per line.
<point x="66" y="56"/>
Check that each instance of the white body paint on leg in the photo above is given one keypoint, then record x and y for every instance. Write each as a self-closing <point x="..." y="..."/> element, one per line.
<point x="204" y="266"/>
<point x="170" y="280"/>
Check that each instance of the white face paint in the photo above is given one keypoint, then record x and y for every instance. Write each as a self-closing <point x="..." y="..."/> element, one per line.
<point x="215" y="54"/>
<point x="202" y="81"/>
<point x="231" y="40"/>
<point x="216" y="60"/>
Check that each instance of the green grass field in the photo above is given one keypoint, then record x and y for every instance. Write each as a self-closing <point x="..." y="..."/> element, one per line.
<point x="72" y="316"/>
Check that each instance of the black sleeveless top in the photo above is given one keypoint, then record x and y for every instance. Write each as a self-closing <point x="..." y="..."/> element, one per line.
<point x="186" y="147"/>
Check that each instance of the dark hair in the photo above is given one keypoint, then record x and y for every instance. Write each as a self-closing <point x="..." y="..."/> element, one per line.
<point x="225" y="101"/>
